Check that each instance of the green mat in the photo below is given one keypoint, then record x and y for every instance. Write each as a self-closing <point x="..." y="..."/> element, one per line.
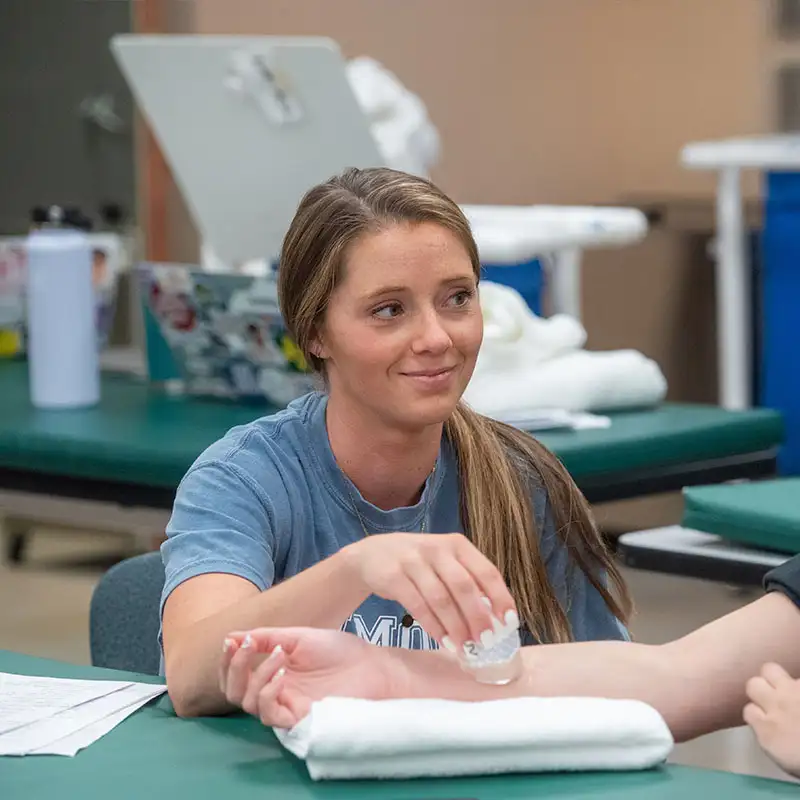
<point x="763" y="514"/>
<point x="139" y="435"/>
<point x="153" y="754"/>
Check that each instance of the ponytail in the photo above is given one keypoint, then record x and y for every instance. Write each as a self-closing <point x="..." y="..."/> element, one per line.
<point x="498" y="466"/>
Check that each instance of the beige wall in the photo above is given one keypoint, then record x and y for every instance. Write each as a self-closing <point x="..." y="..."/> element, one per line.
<point x="549" y="100"/>
<point x="565" y="101"/>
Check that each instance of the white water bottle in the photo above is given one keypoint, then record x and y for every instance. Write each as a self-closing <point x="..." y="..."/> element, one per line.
<point x="62" y="343"/>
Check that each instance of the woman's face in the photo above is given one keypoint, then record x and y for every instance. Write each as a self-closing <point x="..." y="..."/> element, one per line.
<point x="403" y="328"/>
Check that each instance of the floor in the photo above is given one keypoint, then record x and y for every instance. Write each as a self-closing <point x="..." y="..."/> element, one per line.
<point x="45" y="604"/>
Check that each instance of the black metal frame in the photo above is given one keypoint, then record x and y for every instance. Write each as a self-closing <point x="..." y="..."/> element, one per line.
<point x="689" y="565"/>
<point x="123" y="493"/>
<point x="609" y="487"/>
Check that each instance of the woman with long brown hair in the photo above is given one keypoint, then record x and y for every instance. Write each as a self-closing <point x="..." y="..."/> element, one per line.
<point x="284" y="522"/>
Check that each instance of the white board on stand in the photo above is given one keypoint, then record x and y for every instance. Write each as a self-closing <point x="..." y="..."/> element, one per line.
<point x="247" y="124"/>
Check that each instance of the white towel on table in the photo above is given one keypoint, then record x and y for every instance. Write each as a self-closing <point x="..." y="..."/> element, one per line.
<point x="579" y="381"/>
<point x="345" y="738"/>
<point x="527" y="363"/>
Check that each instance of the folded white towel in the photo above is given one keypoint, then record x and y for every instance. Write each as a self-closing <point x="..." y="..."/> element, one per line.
<point x="577" y="381"/>
<point x="345" y="738"/>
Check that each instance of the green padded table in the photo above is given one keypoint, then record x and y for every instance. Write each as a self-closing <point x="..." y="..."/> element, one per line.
<point x="154" y="754"/>
<point x="763" y="514"/>
<point x="734" y="533"/>
<point x="134" y="447"/>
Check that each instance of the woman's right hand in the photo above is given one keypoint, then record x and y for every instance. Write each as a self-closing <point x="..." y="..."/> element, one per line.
<point x="450" y="588"/>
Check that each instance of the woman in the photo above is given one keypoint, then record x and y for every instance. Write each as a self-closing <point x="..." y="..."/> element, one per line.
<point x="281" y="522"/>
<point x="740" y="666"/>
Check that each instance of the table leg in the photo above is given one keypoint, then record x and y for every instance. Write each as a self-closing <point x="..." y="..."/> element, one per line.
<point x="16" y="535"/>
<point x="733" y="295"/>
<point x="565" y="283"/>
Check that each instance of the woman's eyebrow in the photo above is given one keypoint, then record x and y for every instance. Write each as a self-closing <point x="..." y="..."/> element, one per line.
<point x="385" y="290"/>
<point x="398" y="289"/>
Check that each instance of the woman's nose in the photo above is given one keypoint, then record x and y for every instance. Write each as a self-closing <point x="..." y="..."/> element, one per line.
<point x="431" y="336"/>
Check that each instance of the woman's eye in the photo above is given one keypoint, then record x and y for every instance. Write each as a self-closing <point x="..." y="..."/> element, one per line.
<point x="388" y="311"/>
<point x="461" y="298"/>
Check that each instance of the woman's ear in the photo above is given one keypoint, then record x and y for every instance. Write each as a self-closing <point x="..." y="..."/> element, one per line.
<point x="317" y="347"/>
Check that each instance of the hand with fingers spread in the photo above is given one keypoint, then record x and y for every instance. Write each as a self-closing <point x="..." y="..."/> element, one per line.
<point x="774" y="715"/>
<point x="450" y="588"/>
<point x="276" y="673"/>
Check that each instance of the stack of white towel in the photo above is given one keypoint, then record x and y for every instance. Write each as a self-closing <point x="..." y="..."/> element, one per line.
<point x="345" y="738"/>
<point x="528" y="363"/>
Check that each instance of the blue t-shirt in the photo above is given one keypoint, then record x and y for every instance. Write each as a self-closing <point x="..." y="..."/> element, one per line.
<point x="268" y="501"/>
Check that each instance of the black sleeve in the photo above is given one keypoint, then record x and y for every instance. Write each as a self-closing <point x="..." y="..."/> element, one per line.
<point x="786" y="579"/>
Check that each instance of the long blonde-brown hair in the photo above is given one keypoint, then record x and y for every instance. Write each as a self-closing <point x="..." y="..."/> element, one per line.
<point x="498" y="465"/>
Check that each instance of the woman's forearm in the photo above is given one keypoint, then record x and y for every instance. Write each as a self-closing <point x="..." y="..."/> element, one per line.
<point x="198" y="617"/>
<point x="697" y="683"/>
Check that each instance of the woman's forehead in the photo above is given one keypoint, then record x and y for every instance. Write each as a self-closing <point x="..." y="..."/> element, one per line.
<point x="406" y="253"/>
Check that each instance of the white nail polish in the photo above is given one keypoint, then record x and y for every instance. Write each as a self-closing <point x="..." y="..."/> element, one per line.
<point x="448" y="644"/>
<point x="247" y="642"/>
<point x="487" y="602"/>
<point x="277" y="649"/>
<point x="496" y="659"/>
<point x="498" y="626"/>
<point x="512" y="620"/>
<point x="279" y="674"/>
<point x="226" y="645"/>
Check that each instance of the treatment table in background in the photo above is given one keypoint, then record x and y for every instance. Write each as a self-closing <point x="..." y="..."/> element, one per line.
<point x="135" y="446"/>
<point x="155" y="754"/>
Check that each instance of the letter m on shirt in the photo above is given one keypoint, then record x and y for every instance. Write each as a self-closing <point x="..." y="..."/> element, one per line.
<point x="382" y="633"/>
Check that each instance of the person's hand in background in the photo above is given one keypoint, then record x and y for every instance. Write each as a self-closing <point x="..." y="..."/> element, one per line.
<point x="774" y="715"/>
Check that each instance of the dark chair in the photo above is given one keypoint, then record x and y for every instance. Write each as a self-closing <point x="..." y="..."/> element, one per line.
<point x="124" y="615"/>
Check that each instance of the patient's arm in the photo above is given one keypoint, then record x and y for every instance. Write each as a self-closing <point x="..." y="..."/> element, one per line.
<point x="697" y="683"/>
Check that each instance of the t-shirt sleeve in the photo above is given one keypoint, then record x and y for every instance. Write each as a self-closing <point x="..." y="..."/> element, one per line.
<point x="221" y="523"/>
<point x="786" y="579"/>
<point x="590" y="617"/>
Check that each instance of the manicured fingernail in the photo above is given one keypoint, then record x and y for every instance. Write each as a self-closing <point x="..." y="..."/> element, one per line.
<point x="487" y="638"/>
<point x="277" y="649"/>
<point x="498" y="626"/>
<point x="512" y="619"/>
<point x="247" y="642"/>
<point x="227" y="645"/>
<point x="487" y="602"/>
<point x="279" y="674"/>
<point x="448" y="643"/>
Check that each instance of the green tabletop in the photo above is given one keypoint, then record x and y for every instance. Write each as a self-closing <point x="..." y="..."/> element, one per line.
<point x="154" y="754"/>
<point x="760" y="514"/>
<point x="140" y="435"/>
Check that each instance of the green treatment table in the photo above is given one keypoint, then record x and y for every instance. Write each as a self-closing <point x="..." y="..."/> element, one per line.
<point x="733" y="533"/>
<point x="134" y="447"/>
<point x="154" y="754"/>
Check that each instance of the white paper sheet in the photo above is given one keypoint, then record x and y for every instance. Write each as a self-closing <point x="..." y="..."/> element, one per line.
<point x="59" y="716"/>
